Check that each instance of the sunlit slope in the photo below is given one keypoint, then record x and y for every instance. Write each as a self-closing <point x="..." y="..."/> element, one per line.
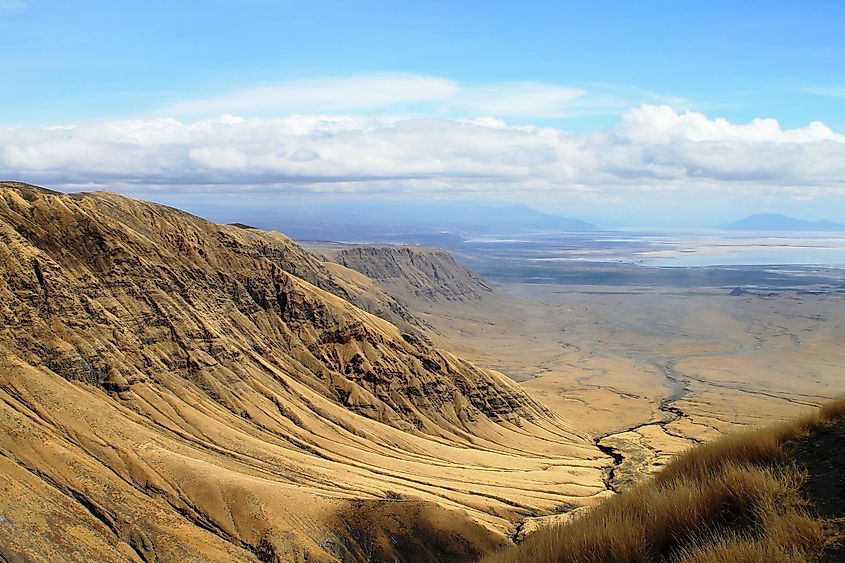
<point x="172" y="387"/>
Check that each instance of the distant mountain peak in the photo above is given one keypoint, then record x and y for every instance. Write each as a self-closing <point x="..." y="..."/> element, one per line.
<point x="780" y="222"/>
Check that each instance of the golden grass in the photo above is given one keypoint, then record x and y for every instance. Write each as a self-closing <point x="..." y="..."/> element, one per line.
<point x="736" y="499"/>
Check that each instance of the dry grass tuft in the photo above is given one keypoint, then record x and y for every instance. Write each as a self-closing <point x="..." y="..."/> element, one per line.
<point x="736" y="499"/>
<point x="832" y="410"/>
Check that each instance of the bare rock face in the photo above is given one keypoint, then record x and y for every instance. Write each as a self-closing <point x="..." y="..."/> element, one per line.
<point x="171" y="388"/>
<point x="428" y="274"/>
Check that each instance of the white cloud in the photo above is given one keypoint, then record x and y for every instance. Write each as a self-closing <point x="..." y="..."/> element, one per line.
<point x="218" y="158"/>
<point x="393" y="96"/>
<point x="653" y="149"/>
<point x="410" y="95"/>
<point x="660" y="123"/>
<point x="321" y="95"/>
<point x="398" y="95"/>
<point x="519" y="99"/>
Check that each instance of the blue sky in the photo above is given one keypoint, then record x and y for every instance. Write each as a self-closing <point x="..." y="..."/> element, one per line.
<point x="80" y="60"/>
<point x="578" y="68"/>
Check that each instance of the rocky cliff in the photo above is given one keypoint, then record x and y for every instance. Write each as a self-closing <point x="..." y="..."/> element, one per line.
<point x="172" y="388"/>
<point x="428" y="274"/>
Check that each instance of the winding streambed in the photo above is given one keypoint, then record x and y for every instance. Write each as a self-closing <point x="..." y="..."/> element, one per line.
<point x="679" y="388"/>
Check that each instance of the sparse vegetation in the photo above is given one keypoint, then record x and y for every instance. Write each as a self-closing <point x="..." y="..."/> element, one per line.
<point x="736" y="499"/>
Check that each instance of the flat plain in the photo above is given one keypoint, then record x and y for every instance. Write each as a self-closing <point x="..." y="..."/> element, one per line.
<point x="652" y="360"/>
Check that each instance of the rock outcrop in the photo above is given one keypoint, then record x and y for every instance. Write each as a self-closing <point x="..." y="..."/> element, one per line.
<point x="426" y="273"/>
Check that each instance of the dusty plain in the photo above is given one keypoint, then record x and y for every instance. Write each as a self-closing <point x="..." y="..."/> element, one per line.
<point x="651" y="370"/>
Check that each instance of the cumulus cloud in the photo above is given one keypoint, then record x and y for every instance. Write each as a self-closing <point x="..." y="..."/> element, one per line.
<point x="652" y="148"/>
<point x="656" y="142"/>
<point x="658" y="123"/>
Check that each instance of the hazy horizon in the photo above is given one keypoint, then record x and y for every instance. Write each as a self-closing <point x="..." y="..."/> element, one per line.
<point x="234" y="209"/>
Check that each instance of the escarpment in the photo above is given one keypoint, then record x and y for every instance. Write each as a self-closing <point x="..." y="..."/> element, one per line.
<point x="427" y="274"/>
<point x="171" y="388"/>
<point x="106" y="289"/>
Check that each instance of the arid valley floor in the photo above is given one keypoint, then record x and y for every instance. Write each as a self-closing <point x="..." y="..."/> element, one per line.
<point x="650" y="370"/>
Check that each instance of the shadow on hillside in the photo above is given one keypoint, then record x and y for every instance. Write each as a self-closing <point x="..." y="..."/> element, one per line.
<point x="823" y="456"/>
<point x="411" y="531"/>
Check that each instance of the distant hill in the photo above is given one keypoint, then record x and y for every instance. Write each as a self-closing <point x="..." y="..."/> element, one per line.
<point x="780" y="222"/>
<point x="515" y="218"/>
<point x="436" y="223"/>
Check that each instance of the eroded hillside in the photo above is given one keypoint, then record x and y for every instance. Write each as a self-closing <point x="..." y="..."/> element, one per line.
<point x="171" y="387"/>
<point x="428" y="274"/>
